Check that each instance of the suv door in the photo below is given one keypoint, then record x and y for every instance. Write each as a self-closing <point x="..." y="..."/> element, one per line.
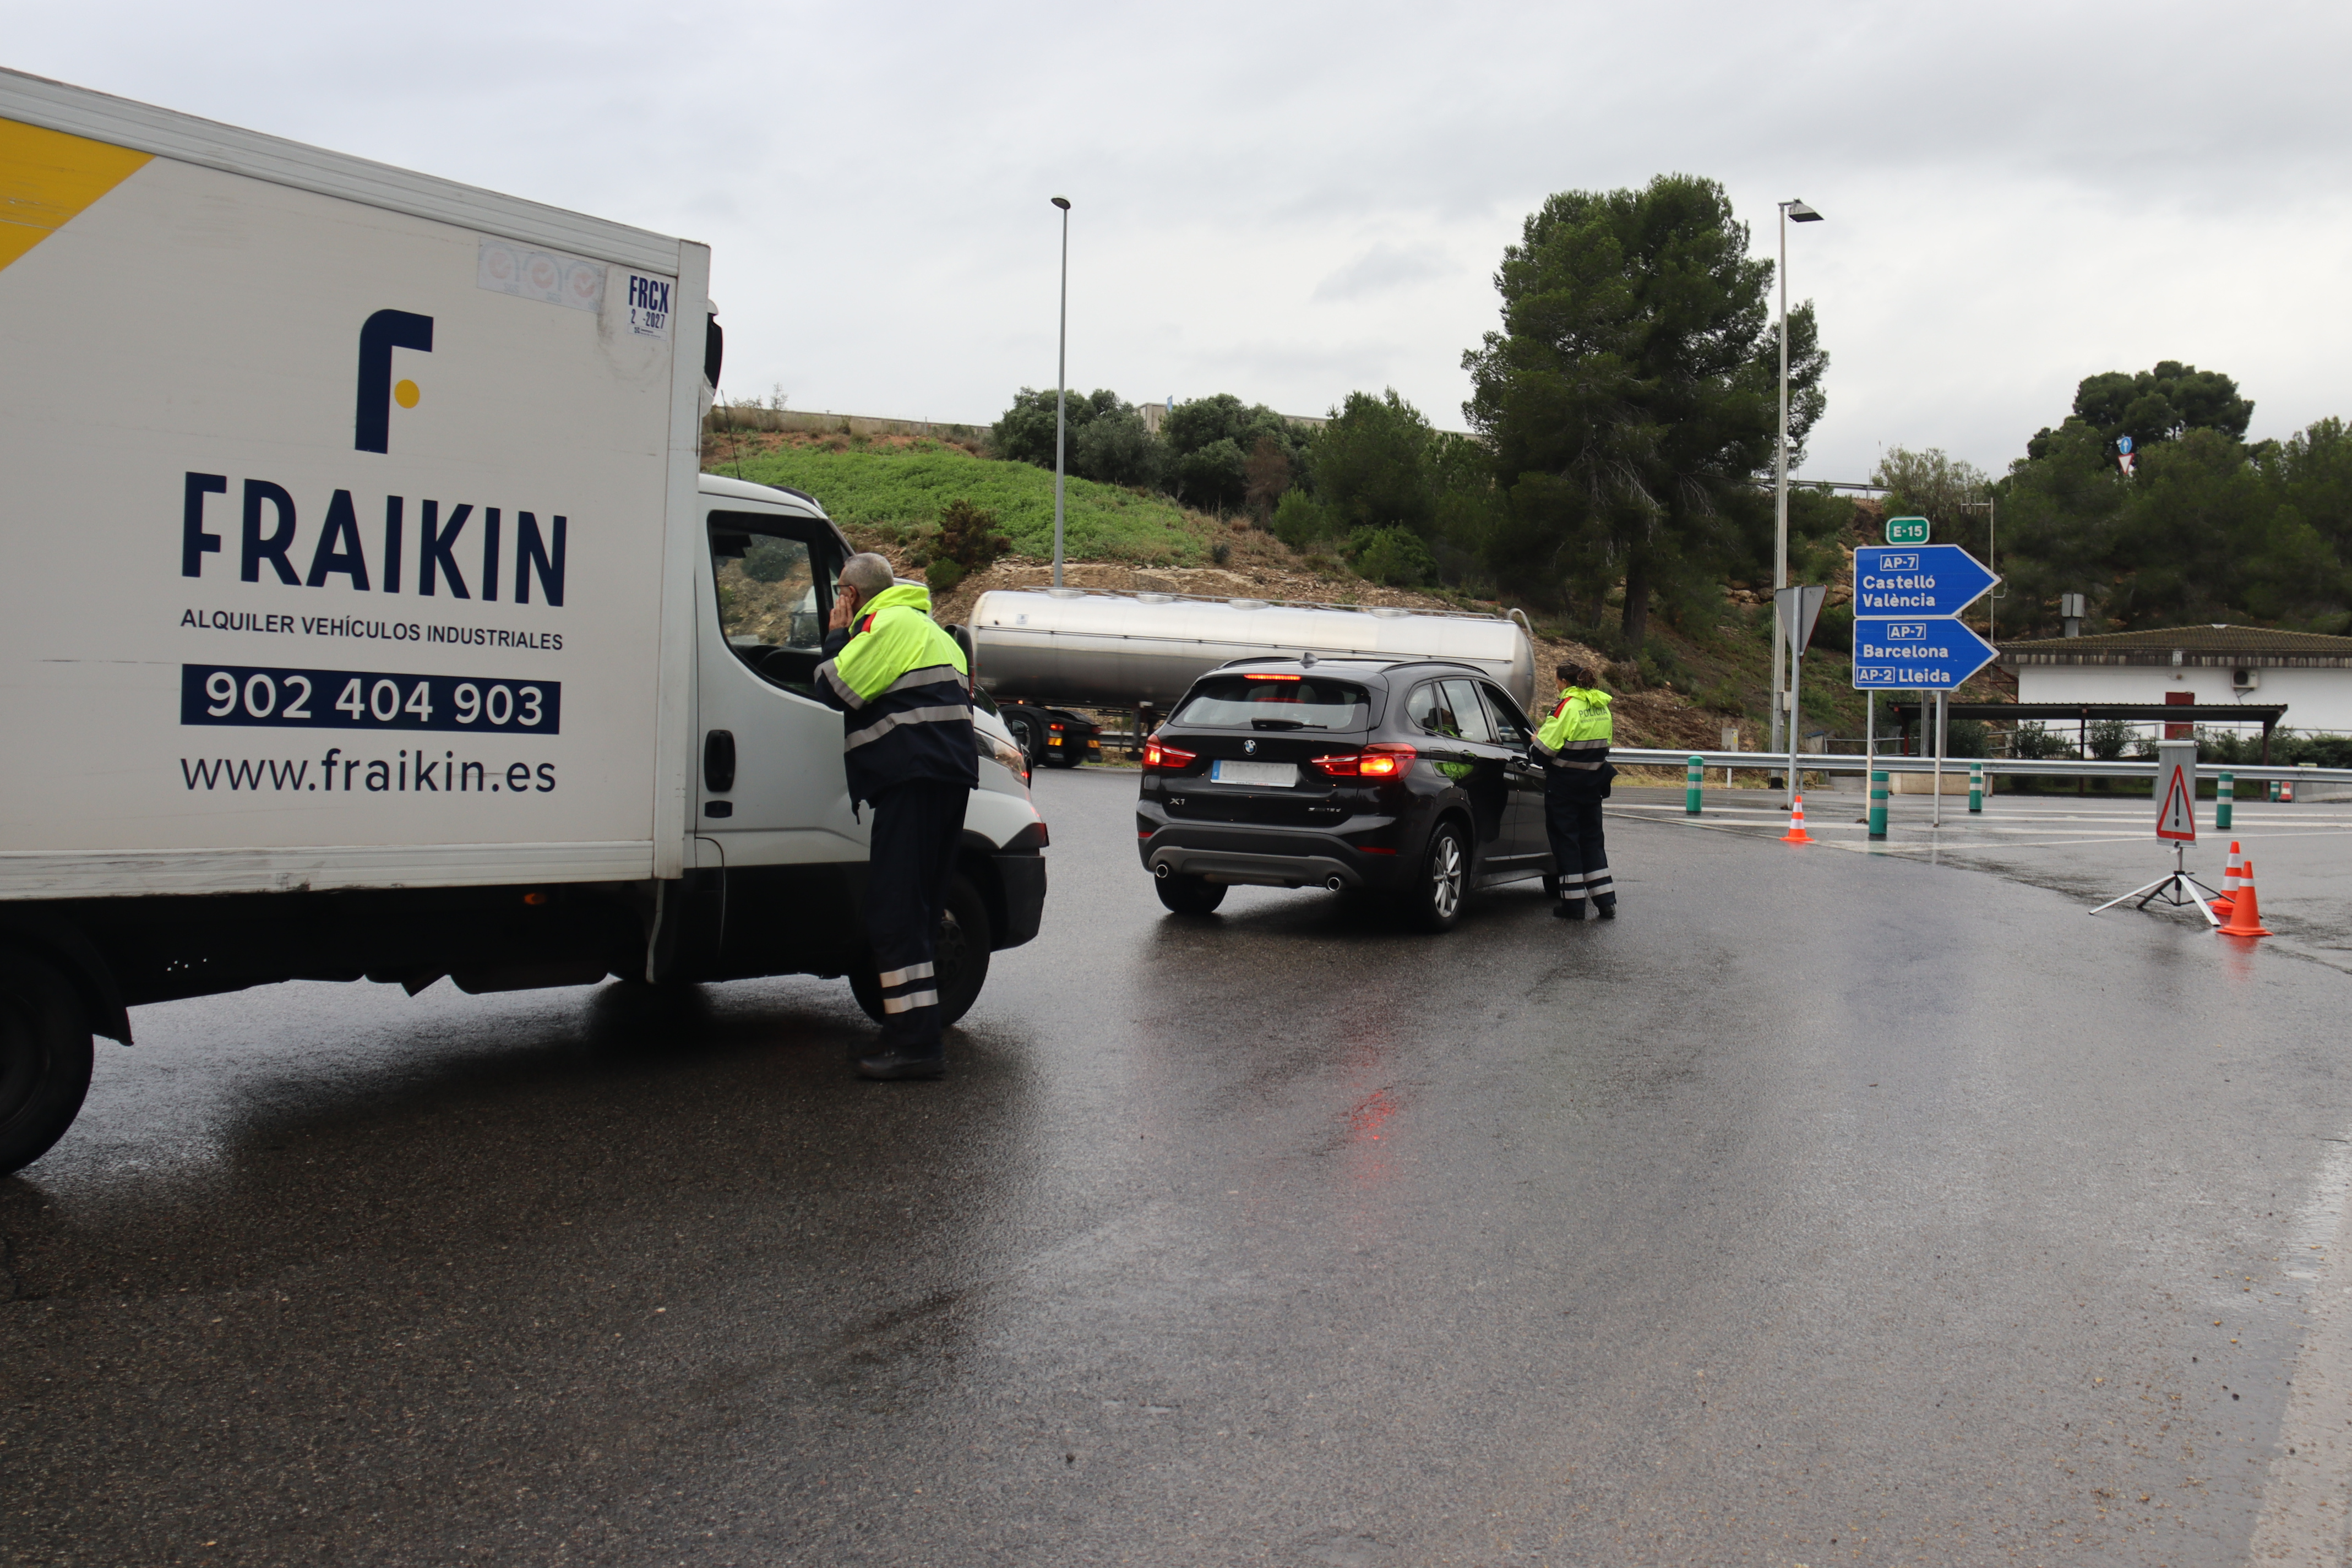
<point x="1459" y="739"/>
<point x="1526" y="779"/>
<point x="772" y="791"/>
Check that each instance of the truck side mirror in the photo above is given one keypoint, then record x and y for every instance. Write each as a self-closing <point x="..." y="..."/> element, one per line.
<point x="719" y="761"/>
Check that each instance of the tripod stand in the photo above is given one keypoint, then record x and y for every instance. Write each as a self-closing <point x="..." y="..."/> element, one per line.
<point x="2169" y="887"/>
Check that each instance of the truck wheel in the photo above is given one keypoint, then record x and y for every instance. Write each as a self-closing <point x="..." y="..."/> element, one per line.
<point x="1433" y="903"/>
<point x="959" y="957"/>
<point x="45" y="1056"/>
<point x="1190" y="895"/>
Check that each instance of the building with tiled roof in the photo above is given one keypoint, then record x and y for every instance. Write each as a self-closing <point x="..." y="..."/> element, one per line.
<point x="2217" y="663"/>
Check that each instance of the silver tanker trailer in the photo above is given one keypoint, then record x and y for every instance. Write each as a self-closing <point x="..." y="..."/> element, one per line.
<point x="1083" y="648"/>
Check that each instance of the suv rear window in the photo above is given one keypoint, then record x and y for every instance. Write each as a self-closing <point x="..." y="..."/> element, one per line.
<point x="1274" y="702"/>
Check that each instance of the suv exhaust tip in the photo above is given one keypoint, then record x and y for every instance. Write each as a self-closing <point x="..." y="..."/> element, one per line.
<point x="1332" y="884"/>
<point x="1161" y="870"/>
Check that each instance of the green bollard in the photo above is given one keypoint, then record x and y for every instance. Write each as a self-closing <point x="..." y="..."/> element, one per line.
<point x="2274" y="791"/>
<point x="1976" y="786"/>
<point x="2224" y="792"/>
<point x="1878" y="805"/>
<point x="1694" y="777"/>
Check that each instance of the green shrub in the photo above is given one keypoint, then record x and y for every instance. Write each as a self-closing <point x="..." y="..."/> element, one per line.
<point x="2038" y="742"/>
<point x="2108" y="739"/>
<point x="1299" y="522"/>
<point x="1394" y="555"/>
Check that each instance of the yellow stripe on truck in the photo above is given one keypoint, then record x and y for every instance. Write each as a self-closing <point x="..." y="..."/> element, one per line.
<point x="48" y="179"/>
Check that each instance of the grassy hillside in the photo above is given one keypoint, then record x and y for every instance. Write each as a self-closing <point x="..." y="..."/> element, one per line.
<point x="1704" y="668"/>
<point x="901" y="481"/>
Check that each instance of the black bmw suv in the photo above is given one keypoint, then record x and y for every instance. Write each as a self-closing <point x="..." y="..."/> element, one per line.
<point x="1409" y="778"/>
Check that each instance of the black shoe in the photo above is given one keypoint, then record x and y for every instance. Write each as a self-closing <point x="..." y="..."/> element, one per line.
<point x="1606" y="911"/>
<point x="900" y="1061"/>
<point x="1567" y="909"/>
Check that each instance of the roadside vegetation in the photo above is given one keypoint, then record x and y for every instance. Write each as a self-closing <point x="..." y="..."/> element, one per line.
<point x="1615" y="483"/>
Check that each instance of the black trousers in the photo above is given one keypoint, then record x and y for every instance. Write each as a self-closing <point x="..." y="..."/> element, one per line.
<point x="916" y="826"/>
<point x="1572" y="820"/>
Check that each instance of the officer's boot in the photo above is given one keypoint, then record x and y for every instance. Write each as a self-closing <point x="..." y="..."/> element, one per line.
<point x="1569" y="910"/>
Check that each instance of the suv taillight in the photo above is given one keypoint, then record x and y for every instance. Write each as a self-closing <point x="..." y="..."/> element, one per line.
<point x="1156" y="756"/>
<point x="1380" y="759"/>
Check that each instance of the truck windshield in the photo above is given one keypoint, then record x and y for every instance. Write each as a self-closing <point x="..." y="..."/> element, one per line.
<point x="1274" y="702"/>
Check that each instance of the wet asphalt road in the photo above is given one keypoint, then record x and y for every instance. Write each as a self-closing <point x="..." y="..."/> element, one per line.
<point x="1828" y="1207"/>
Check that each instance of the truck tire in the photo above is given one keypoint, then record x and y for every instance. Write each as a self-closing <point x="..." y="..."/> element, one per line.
<point x="958" y="954"/>
<point x="1433" y="901"/>
<point x="1190" y="895"/>
<point x="45" y="1058"/>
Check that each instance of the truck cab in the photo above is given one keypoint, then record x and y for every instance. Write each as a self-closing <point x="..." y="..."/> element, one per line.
<point x="779" y="851"/>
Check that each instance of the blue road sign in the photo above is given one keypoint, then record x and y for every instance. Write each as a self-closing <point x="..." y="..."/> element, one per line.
<point x="1921" y="581"/>
<point x="1927" y="655"/>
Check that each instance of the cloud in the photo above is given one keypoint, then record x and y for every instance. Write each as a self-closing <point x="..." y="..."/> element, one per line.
<point x="1383" y="267"/>
<point x="1292" y="202"/>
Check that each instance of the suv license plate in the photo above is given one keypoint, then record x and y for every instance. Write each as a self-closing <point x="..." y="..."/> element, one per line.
<point x="1280" y="775"/>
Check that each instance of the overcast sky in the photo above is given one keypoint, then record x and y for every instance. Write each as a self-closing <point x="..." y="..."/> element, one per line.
<point x="1289" y="201"/>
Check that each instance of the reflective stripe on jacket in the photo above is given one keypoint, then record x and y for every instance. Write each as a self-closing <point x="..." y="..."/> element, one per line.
<point x="899" y="680"/>
<point x="1577" y="733"/>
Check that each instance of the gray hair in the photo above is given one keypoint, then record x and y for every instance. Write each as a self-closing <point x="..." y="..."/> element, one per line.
<point x="868" y="573"/>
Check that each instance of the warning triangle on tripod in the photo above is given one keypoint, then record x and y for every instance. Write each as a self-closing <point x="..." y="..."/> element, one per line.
<point x="2177" y="817"/>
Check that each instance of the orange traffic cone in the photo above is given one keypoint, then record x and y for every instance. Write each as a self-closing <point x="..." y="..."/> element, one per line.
<point x="2245" y="910"/>
<point x="1797" y="834"/>
<point x="2286" y="793"/>
<point x="2222" y="905"/>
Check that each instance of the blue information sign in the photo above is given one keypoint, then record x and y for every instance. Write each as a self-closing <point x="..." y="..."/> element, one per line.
<point x="1926" y="655"/>
<point x="1921" y="581"/>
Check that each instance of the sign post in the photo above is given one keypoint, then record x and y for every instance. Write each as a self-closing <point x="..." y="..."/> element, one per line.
<point x="2176" y="824"/>
<point x="1798" y="608"/>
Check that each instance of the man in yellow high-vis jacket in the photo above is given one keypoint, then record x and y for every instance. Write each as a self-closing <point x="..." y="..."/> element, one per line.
<point x="1573" y="748"/>
<point x="907" y="746"/>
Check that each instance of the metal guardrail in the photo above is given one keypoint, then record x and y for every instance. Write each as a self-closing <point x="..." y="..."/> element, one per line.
<point x="1957" y="767"/>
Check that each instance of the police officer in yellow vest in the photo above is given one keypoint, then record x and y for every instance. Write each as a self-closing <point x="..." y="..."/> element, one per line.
<point x="1573" y="748"/>
<point x="908" y="747"/>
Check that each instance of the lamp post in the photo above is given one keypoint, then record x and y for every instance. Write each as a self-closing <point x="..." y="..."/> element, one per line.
<point x="1796" y="212"/>
<point x="1062" y="387"/>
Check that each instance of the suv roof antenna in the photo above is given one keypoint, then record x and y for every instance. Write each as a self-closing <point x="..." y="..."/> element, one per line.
<point x="1307" y="659"/>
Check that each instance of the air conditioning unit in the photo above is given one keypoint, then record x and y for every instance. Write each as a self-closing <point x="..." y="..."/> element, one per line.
<point x="2245" y="680"/>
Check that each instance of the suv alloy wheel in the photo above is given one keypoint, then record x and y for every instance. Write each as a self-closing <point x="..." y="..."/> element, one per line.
<point x="1434" y="902"/>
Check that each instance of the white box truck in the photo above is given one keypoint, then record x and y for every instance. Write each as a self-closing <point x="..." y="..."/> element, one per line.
<point x="365" y="614"/>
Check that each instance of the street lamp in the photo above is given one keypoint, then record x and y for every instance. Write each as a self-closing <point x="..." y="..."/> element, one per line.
<point x="1790" y="212"/>
<point x="1062" y="388"/>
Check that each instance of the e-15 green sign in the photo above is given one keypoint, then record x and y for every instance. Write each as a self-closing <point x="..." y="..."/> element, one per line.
<point x="1907" y="531"/>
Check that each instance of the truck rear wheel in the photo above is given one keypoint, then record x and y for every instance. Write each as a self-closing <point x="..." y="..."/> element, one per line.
<point x="959" y="955"/>
<point x="45" y="1058"/>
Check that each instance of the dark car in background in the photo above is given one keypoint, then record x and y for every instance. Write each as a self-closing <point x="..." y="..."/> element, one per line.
<point x="1053" y="737"/>
<point x="1405" y="778"/>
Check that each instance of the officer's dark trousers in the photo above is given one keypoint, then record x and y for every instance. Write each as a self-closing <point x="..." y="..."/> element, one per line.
<point x="1572" y="819"/>
<point x="916" y="826"/>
